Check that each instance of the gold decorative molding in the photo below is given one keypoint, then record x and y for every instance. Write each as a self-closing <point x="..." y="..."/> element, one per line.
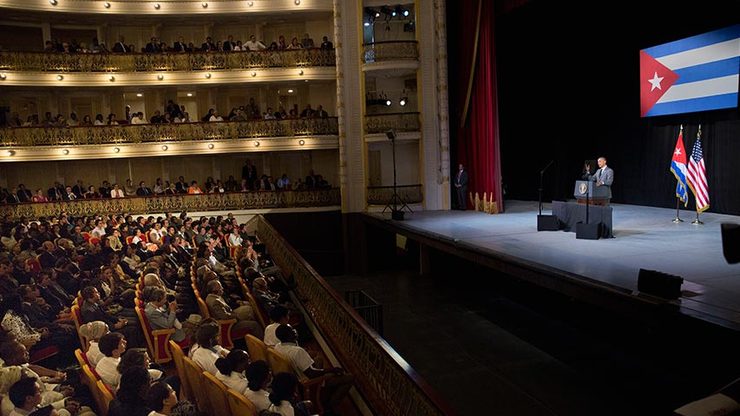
<point x="401" y="50"/>
<point x="399" y="122"/>
<point x="381" y="195"/>
<point x="177" y="203"/>
<point x="168" y="7"/>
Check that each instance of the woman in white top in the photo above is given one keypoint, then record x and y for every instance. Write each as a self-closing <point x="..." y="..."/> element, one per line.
<point x="231" y="370"/>
<point x="284" y="389"/>
<point x="258" y="374"/>
<point x="207" y="348"/>
<point x="161" y="398"/>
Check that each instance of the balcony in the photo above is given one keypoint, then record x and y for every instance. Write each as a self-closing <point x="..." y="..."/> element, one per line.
<point x="191" y="203"/>
<point x="381" y="195"/>
<point x="144" y="62"/>
<point x="394" y="50"/>
<point x="399" y="122"/>
<point x="153" y="133"/>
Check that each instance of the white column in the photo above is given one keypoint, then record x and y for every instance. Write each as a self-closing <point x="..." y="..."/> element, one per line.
<point x="348" y="36"/>
<point x="432" y="82"/>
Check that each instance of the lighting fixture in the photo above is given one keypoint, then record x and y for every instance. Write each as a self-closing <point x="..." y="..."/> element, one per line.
<point x="204" y="4"/>
<point x="65" y="151"/>
<point x="208" y="75"/>
<point x="111" y="78"/>
<point x="106" y="5"/>
<point x="160" y="77"/>
<point x="290" y="91"/>
<point x="3" y="76"/>
<point x="53" y="2"/>
<point x="116" y="149"/>
<point x="60" y="77"/>
<point x="190" y="94"/>
<point x="300" y="72"/>
<point x="157" y="6"/>
<point x="164" y="147"/>
<point x="403" y="101"/>
<point x="406" y="13"/>
<point x="11" y="152"/>
<point x="256" y="143"/>
<point x="388" y="103"/>
<point x="301" y="142"/>
<point x="138" y="94"/>
<point x="250" y="3"/>
<point x="297" y="2"/>
<point x="210" y="145"/>
<point x="366" y="24"/>
<point x="254" y="74"/>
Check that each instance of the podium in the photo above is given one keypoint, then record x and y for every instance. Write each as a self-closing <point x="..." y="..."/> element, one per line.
<point x="597" y="195"/>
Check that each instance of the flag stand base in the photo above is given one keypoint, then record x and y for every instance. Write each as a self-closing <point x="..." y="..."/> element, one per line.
<point x="697" y="222"/>
<point x="677" y="220"/>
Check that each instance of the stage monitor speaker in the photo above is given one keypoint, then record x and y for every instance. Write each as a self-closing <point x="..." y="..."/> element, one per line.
<point x="660" y="284"/>
<point x="590" y="231"/>
<point x="731" y="242"/>
<point x="547" y="223"/>
<point x="397" y="214"/>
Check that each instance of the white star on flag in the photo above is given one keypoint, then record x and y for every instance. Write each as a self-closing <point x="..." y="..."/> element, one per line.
<point x="655" y="82"/>
<point x="677" y="152"/>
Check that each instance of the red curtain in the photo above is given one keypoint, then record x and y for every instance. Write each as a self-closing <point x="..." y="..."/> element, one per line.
<point x="477" y="138"/>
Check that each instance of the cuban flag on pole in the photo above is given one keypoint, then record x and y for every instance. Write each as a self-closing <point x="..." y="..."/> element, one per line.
<point x="678" y="167"/>
<point x="699" y="73"/>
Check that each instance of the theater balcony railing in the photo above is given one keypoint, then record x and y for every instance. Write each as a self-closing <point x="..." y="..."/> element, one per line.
<point x="192" y="203"/>
<point x="381" y="195"/>
<point x="395" y="50"/>
<point x="149" y="62"/>
<point x="399" y="122"/>
<point x="174" y="132"/>
<point x="389" y="385"/>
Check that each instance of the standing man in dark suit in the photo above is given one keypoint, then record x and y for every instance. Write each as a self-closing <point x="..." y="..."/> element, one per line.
<point x="120" y="46"/>
<point x="604" y="176"/>
<point x="461" y="187"/>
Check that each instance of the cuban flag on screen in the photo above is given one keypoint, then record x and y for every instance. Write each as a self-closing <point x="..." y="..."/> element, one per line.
<point x="699" y="73"/>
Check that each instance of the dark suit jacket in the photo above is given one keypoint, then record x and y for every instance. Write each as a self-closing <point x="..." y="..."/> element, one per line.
<point x="180" y="47"/>
<point x="120" y="48"/>
<point x="24" y="195"/>
<point x="462" y="180"/>
<point x="143" y="191"/>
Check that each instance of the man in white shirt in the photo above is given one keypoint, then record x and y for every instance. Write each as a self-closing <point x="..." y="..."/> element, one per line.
<point x="254" y="45"/>
<point x="112" y="345"/>
<point x="116" y="192"/>
<point x="279" y="315"/>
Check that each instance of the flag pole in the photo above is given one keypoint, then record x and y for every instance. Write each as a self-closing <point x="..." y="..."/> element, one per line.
<point x="678" y="217"/>
<point x="697" y="221"/>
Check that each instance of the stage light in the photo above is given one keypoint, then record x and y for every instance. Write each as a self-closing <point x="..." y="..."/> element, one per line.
<point x="106" y="5"/>
<point x="290" y="91"/>
<point x="366" y="24"/>
<point x="60" y="77"/>
<point x="403" y="101"/>
<point x="406" y="13"/>
<point x="377" y="14"/>
<point x="139" y="94"/>
<point x="388" y="103"/>
<point x="190" y="94"/>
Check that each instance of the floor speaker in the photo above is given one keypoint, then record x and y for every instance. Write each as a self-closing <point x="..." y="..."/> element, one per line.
<point x="397" y="214"/>
<point x="731" y="242"/>
<point x="547" y="223"/>
<point x="590" y="231"/>
<point x="660" y="284"/>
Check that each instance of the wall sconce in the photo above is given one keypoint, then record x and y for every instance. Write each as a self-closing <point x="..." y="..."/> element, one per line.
<point x="60" y="77"/>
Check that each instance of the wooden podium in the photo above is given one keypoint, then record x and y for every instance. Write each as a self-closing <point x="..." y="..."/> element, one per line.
<point x="597" y="195"/>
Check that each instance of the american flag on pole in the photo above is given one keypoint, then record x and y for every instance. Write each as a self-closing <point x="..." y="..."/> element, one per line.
<point x="697" y="177"/>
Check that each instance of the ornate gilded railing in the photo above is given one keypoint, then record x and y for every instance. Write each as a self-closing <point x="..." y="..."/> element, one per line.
<point x="142" y="133"/>
<point x="143" y="62"/>
<point x="386" y="381"/>
<point x="393" y="50"/>
<point x="381" y="123"/>
<point x="380" y="195"/>
<point x="192" y="203"/>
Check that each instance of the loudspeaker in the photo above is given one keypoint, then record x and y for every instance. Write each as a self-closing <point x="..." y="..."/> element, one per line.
<point x="547" y="223"/>
<point x="590" y="231"/>
<point x="731" y="242"/>
<point x="397" y="214"/>
<point x="660" y="284"/>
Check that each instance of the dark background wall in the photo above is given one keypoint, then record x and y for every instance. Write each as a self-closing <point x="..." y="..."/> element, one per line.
<point x="562" y="99"/>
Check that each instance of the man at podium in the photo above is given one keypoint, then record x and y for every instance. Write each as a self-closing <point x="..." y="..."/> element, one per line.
<point x="604" y="176"/>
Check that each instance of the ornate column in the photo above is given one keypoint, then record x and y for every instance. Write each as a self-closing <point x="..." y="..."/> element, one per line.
<point x="434" y="146"/>
<point x="347" y="30"/>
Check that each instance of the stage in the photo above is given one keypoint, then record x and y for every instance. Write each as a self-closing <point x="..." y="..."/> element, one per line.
<point x="603" y="271"/>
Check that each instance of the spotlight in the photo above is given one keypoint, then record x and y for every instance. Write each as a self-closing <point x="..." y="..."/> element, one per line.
<point x="65" y="151"/>
<point x="160" y="77"/>
<point x="377" y="14"/>
<point x="403" y="101"/>
<point x="406" y="13"/>
<point x="366" y="24"/>
<point x="138" y="94"/>
<point x="60" y="77"/>
<point x="388" y="103"/>
<point x="210" y="145"/>
<point x="190" y="94"/>
<point x="290" y="91"/>
<point x="106" y="5"/>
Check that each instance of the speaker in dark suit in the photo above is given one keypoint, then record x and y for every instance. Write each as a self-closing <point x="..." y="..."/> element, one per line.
<point x="461" y="187"/>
